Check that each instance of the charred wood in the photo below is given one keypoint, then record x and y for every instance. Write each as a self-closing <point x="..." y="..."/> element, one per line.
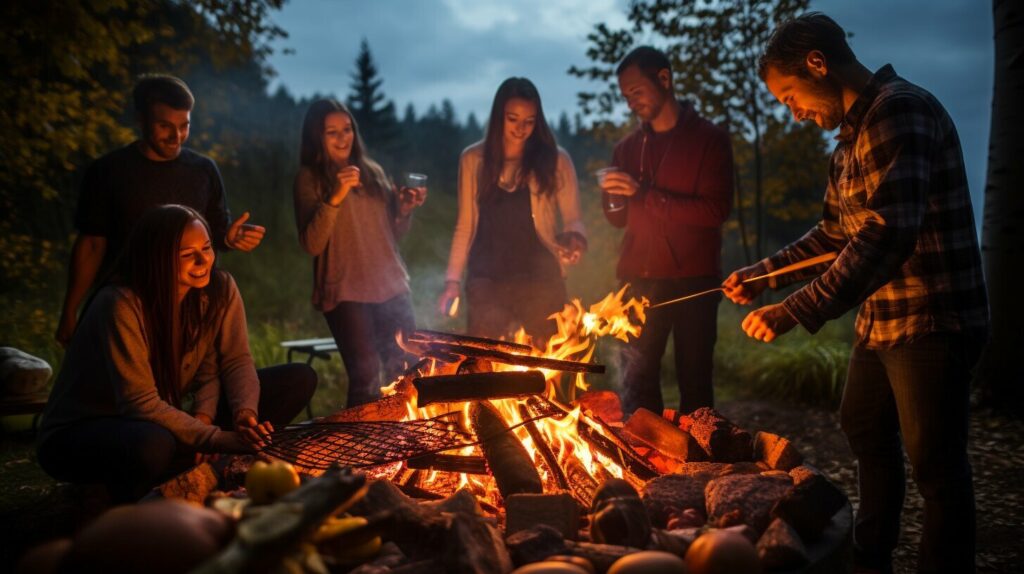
<point x="449" y="463"/>
<point x="477" y="386"/>
<point x="426" y="336"/>
<point x="550" y="461"/>
<point x="510" y="464"/>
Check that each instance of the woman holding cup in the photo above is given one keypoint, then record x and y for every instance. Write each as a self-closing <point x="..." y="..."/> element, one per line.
<point x="350" y="218"/>
<point x="514" y="186"/>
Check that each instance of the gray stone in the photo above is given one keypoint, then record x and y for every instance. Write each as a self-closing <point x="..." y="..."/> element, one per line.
<point x="743" y="499"/>
<point x="560" y="511"/>
<point x="780" y="547"/>
<point x="21" y="373"/>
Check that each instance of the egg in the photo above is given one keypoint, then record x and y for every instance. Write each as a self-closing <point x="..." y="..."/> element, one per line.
<point x="549" y="567"/>
<point x="165" y="536"/>
<point x="722" y="552"/>
<point x="648" y="562"/>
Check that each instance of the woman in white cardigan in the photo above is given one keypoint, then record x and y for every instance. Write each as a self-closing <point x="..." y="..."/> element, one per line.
<point x="515" y="187"/>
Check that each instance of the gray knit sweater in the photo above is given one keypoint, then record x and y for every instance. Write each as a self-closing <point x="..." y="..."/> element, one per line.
<point x="106" y="371"/>
<point x="354" y="245"/>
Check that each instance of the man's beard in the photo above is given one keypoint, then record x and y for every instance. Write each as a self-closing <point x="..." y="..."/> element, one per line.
<point x="829" y="92"/>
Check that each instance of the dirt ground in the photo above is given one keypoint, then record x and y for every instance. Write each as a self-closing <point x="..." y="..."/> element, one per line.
<point x="33" y="508"/>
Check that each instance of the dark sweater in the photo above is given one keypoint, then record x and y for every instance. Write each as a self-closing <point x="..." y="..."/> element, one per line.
<point x="674" y="224"/>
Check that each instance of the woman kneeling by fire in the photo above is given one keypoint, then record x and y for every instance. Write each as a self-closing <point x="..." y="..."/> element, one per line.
<point x="168" y="327"/>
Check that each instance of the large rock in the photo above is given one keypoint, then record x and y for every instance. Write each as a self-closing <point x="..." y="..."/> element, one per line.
<point x="720" y="438"/>
<point x="743" y="499"/>
<point x="21" y="373"/>
<point x="535" y="544"/>
<point x="775" y="451"/>
<point x="667" y="495"/>
<point x="808" y="506"/>
<point x="780" y="547"/>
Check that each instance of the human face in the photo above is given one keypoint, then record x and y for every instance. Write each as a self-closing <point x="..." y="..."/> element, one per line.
<point x="164" y="131"/>
<point x="644" y="97"/>
<point x="338" y="137"/>
<point x="816" y="97"/>
<point x="520" y="119"/>
<point x="195" y="258"/>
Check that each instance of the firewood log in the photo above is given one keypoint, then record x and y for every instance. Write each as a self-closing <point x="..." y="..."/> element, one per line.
<point x="510" y="464"/>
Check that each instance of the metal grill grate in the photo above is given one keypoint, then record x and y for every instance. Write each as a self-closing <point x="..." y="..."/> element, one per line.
<point x="372" y="443"/>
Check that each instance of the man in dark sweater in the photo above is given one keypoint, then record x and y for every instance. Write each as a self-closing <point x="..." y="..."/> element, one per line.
<point x="154" y="170"/>
<point x="672" y="191"/>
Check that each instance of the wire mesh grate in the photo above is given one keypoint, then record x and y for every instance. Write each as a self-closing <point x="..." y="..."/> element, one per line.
<point x="363" y="444"/>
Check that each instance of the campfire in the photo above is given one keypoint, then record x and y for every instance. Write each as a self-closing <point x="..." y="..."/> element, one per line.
<point x="494" y="417"/>
<point x="498" y="453"/>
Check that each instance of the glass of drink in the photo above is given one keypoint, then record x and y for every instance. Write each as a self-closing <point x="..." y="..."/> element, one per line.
<point x="416" y="184"/>
<point x="615" y="201"/>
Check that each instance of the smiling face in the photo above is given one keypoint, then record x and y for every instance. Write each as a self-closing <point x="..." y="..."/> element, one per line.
<point x="645" y="97"/>
<point x="195" y="258"/>
<point x="164" y="131"/>
<point x="520" y="119"/>
<point x="815" y="97"/>
<point x="339" y="136"/>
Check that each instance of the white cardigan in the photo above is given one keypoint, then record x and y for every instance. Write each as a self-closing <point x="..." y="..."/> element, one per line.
<point x="545" y="208"/>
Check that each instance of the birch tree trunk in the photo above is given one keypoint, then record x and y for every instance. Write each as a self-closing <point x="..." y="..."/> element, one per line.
<point x="1001" y="371"/>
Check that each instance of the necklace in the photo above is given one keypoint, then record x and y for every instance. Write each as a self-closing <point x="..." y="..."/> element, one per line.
<point x="643" y="156"/>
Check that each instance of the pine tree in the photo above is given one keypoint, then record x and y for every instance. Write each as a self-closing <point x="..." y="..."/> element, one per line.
<point x="374" y="113"/>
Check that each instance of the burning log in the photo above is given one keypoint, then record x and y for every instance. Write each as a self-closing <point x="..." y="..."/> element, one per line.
<point x="495" y="356"/>
<point x="426" y="336"/>
<point x="510" y="463"/>
<point x="449" y="463"/>
<point x="603" y="439"/>
<point x="550" y="461"/>
<point x="663" y="436"/>
<point x="477" y="386"/>
<point x="720" y="438"/>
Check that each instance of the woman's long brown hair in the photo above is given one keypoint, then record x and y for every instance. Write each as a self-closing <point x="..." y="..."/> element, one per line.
<point x="148" y="267"/>
<point x="540" y="156"/>
<point x="312" y="155"/>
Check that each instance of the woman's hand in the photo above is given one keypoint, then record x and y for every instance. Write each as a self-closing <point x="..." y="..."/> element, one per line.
<point x="257" y="433"/>
<point x="231" y="442"/>
<point x="202" y="457"/>
<point x="571" y="246"/>
<point x="409" y="198"/>
<point x="347" y="180"/>
<point x="450" y="293"/>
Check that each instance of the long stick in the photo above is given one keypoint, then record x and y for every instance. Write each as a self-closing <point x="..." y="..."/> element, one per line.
<point x="824" y="258"/>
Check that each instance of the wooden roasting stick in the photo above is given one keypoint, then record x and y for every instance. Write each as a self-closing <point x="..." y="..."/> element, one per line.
<point x="506" y="456"/>
<point x="824" y="258"/>
<point x="477" y="386"/>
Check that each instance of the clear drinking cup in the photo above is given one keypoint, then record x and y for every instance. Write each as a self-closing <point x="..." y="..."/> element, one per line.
<point x="416" y="183"/>
<point x="615" y="201"/>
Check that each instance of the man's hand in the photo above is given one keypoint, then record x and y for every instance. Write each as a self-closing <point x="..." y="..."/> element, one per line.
<point x="768" y="322"/>
<point x="571" y="246"/>
<point x="620" y="183"/>
<point x="743" y="293"/>
<point x="243" y="236"/>
<point x="257" y="433"/>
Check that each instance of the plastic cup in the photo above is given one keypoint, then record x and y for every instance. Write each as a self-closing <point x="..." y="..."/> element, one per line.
<point x="415" y="183"/>
<point x="615" y="201"/>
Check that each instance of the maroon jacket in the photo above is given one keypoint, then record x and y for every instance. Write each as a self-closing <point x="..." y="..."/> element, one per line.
<point x="674" y="224"/>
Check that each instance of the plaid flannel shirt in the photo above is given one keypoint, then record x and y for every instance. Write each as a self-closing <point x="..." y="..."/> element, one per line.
<point x="898" y="210"/>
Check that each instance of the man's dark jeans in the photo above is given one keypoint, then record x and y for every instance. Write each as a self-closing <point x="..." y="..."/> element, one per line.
<point x="919" y="391"/>
<point x="694" y="328"/>
<point x="365" y="335"/>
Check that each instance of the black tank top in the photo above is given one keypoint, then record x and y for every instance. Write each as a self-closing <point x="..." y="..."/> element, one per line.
<point x="506" y="245"/>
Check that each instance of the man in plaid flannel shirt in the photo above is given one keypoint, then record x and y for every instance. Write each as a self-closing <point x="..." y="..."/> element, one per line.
<point x="898" y="212"/>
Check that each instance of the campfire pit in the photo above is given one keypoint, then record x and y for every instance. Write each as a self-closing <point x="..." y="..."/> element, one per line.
<point x="484" y="436"/>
